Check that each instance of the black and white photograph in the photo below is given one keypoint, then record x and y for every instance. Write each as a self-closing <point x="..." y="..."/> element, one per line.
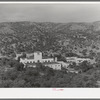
<point x="52" y="45"/>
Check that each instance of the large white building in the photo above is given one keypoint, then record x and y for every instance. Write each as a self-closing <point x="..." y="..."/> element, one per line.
<point x="38" y="58"/>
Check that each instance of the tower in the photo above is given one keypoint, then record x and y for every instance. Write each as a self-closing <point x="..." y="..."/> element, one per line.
<point x="37" y="56"/>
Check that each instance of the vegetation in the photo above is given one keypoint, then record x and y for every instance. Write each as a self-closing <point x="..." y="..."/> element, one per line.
<point x="41" y="76"/>
<point x="66" y="39"/>
<point x="53" y="39"/>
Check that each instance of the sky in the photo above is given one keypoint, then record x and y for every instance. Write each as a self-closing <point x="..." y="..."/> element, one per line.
<point x="62" y="13"/>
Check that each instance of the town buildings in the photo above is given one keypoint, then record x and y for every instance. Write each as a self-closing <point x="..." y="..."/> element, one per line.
<point x="37" y="57"/>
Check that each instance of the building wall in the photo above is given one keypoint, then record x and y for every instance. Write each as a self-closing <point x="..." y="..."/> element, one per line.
<point x="30" y="61"/>
<point x="77" y="60"/>
<point x="65" y="65"/>
<point x="33" y="60"/>
<point x="48" y="60"/>
<point x="54" y="66"/>
<point x="37" y="56"/>
<point x="23" y="60"/>
<point x="27" y="60"/>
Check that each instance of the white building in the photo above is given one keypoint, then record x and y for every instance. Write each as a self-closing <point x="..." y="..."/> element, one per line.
<point x="64" y="64"/>
<point x="54" y="65"/>
<point x="37" y="57"/>
<point x="77" y="60"/>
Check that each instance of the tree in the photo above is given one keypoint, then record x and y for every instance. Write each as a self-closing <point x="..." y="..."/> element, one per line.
<point x="49" y="72"/>
<point x="92" y="54"/>
<point x="31" y="72"/>
<point x="10" y="75"/>
<point x="19" y="83"/>
<point x="83" y="80"/>
<point x="73" y="65"/>
<point x="12" y="63"/>
<point x="98" y="57"/>
<point x="6" y="83"/>
<point x="85" y="66"/>
<point x="60" y="57"/>
<point x="19" y="66"/>
<point x="23" y="55"/>
<point x="84" y="52"/>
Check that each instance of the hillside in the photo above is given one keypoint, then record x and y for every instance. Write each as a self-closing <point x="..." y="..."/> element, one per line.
<point x="80" y="38"/>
